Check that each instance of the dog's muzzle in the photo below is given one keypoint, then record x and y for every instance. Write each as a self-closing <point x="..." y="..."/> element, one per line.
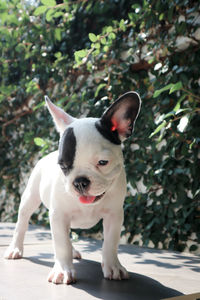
<point x="81" y="184"/>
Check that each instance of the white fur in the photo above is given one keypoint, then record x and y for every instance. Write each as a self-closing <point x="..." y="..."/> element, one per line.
<point x="49" y="185"/>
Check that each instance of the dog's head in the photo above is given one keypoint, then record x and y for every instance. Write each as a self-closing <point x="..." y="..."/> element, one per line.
<point x="90" y="155"/>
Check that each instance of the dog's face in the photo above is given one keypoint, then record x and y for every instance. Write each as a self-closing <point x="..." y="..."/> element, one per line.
<point x="90" y="155"/>
<point x="89" y="161"/>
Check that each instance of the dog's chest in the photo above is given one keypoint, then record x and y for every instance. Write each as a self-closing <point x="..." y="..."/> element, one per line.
<point x="86" y="218"/>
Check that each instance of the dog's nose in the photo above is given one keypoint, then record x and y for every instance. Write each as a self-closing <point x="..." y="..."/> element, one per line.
<point x="81" y="184"/>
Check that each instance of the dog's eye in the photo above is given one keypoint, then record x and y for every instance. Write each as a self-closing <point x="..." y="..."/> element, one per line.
<point x="102" y="162"/>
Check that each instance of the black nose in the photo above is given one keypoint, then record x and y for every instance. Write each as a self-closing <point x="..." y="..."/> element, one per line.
<point x="81" y="184"/>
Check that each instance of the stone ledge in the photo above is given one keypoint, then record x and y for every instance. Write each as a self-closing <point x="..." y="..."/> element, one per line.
<point x="154" y="274"/>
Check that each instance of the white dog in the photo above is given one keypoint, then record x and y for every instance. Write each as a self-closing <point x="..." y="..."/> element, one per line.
<point x="81" y="183"/>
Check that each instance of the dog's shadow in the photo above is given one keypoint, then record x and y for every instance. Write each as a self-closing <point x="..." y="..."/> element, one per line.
<point x="90" y="279"/>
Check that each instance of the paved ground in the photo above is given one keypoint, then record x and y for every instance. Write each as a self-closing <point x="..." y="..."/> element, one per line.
<point x="154" y="274"/>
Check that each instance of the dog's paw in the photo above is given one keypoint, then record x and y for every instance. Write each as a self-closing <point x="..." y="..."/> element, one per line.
<point x="13" y="253"/>
<point x="114" y="271"/>
<point x="64" y="275"/>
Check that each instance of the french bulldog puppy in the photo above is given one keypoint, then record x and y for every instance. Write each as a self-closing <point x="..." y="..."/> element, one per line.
<point x="81" y="183"/>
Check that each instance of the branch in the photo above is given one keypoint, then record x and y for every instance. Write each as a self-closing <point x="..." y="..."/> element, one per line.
<point x="13" y="121"/>
<point x="142" y="65"/>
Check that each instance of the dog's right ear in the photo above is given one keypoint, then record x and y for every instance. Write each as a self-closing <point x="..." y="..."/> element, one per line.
<point x="61" y="118"/>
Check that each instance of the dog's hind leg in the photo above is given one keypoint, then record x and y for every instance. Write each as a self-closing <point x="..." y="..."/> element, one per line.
<point x="30" y="201"/>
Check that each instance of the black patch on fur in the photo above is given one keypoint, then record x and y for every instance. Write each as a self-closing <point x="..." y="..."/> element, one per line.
<point x="67" y="150"/>
<point x="105" y="129"/>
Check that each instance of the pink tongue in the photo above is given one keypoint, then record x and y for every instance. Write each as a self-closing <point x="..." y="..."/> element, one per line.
<point x="87" y="199"/>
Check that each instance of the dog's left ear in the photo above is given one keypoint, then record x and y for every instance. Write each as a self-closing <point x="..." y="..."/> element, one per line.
<point x="60" y="117"/>
<point x="120" y="117"/>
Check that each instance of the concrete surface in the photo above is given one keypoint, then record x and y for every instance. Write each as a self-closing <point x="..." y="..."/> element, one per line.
<point x="154" y="274"/>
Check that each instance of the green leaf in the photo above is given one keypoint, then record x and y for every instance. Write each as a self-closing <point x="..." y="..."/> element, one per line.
<point x="80" y="53"/>
<point x="49" y="3"/>
<point x="103" y="41"/>
<point x="13" y="19"/>
<point x="161" y="17"/>
<point x="122" y="25"/>
<point x="31" y="87"/>
<point x="158" y="92"/>
<point x="97" y="45"/>
<point x="105" y="48"/>
<point x="163" y="124"/>
<point x="182" y="110"/>
<point x="170" y="13"/>
<point x="192" y="143"/>
<point x="96" y="52"/>
<point x="58" y="14"/>
<point x="172" y="87"/>
<point x="133" y="18"/>
<point x="58" y="54"/>
<point x="40" y="10"/>
<point x="148" y="227"/>
<point x="39" y="106"/>
<point x="99" y="88"/>
<point x="109" y="29"/>
<point x="49" y="15"/>
<point x="176" y="87"/>
<point x="178" y="105"/>
<point x="39" y="142"/>
<point x="58" y="34"/>
<point x="112" y="36"/>
<point x="165" y="116"/>
<point x="92" y="37"/>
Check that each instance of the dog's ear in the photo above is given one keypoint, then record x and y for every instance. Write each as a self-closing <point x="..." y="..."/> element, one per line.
<point x="61" y="118"/>
<point x="120" y="117"/>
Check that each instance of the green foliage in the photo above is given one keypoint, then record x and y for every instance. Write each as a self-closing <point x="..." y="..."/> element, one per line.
<point x="84" y="54"/>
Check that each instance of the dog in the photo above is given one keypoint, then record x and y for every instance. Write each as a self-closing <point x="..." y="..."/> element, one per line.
<point x="81" y="183"/>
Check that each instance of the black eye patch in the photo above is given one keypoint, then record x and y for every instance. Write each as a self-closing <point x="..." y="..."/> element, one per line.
<point x="67" y="150"/>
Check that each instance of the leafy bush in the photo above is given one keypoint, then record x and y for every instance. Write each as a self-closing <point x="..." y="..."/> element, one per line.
<point x="84" y="54"/>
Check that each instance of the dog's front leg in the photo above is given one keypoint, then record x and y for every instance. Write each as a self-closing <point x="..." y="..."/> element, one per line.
<point x="63" y="270"/>
<point x="112" y="269"/>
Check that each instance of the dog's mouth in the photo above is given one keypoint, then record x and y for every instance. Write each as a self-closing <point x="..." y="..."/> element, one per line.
<point x="90" y="199"/>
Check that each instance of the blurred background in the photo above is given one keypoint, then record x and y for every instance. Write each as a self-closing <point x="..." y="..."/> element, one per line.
<point x="84" y="54"/>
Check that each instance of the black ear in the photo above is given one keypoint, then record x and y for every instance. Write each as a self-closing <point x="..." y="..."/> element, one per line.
<point x="118" y="120"/>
